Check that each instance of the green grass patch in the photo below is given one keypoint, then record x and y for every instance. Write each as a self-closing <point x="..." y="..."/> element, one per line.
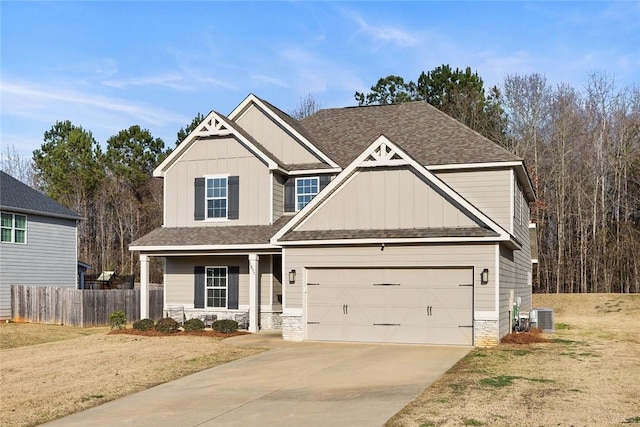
<point x="564" y="341"/>
<point x="427" y="425"/>
<point x="92" y="397"/>
<point x="632" y="420"/>
<point x="500" y="381"/>
<point x="520" y="352"/>
<point x="472" y="422"/>
<point x="507" y="380"/>
<point x="561" y="326"/>
<point x="457" y="387"/>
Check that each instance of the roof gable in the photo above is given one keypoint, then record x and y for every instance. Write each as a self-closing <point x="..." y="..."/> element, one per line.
<point x="287" y="123"/>
<point x="16" y="196"/>
<point x="214" y="125"/>
<point x="383" y="153"/>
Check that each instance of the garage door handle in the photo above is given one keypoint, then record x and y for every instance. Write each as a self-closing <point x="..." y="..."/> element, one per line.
<point x="345" y="309"/>
<point x="386" y="284"/>
<point x="386" y="324"/>
<point x="313" y="323"/>
<point x="465" y="326"/>
<point x="466" y="285"/>
<point x="429" y="312"/>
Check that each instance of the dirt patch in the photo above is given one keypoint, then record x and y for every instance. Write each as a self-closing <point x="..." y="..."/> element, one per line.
<point x="42" y="382"/>
<point x="586" y="373"/>
<point x="153" y="333"/>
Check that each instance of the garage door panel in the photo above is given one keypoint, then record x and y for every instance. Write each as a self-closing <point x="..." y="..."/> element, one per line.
<point x="395" y="305"/>
<point x="450" y="335"/>
<point x="407" y="316"/>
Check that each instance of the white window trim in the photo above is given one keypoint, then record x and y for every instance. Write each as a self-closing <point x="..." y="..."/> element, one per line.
<point x="206" y="199"/>
<point x="207" y="287"/>
<point x="14" y="229"/>
<point x="317" y="178"/>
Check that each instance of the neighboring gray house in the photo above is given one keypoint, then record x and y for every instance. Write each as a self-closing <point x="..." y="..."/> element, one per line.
<point x="38" y="241"/>
<point x="391" y="223"/>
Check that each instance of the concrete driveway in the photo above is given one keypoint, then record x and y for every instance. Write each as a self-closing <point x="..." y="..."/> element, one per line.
<point x="293" y="384"/>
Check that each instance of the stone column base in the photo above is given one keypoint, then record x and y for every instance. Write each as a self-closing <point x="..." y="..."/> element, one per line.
<point x="486" y="333"/>
<point x="270" y="320"/>
<point x="292" y="327"/>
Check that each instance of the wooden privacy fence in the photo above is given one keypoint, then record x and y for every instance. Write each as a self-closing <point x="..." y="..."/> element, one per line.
<point x="76" y="307"/>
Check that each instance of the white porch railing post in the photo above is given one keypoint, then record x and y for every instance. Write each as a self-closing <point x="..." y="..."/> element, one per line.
<point x="144" y="286"/>
<point x="254" y="304"/>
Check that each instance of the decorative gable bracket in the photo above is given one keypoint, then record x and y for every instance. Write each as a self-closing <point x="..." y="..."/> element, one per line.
<point x="384" y="155"/>
<point x="211" y="126"/>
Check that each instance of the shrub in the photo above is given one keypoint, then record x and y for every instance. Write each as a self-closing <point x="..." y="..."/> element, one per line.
<point x="226" y="326"/>
<point x="143" y="324"/>
<point x="118" y="320"/>
<point x="193" y="325"/>
<point x="167" y="325"/>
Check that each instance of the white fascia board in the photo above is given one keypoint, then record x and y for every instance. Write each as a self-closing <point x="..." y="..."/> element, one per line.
<point x="454" y="166"/>
<point x="378" y="241"/>
<point x="201" y="248"/>
<point x="313" y="171"/>
<point x="252" y="98"/>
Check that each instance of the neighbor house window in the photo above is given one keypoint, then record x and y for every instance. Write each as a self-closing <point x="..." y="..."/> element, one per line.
<point x="14" y="228"/>
<point x="306" y="189"/>
<point x="217" y="197"/>
<point x="216" y="287"/>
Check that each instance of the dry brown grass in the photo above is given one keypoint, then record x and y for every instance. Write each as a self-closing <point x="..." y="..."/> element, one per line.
<point x="84" y="368"/>
<point x="587" y="375"/>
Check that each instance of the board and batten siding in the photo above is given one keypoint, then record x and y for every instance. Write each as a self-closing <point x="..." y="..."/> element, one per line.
<point x="515" y="265"/>
<point x="278" y="196"/>
<point x="487" y="190"/>
<point x="48" y="258"/>
<point x="217" y="156"/>
<point x="386" y="198"/>
<point x="274" y="138"/>
<point x="479" y="256"/>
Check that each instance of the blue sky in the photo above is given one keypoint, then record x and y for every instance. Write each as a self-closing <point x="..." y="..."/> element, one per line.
<point x="109" y="65"/>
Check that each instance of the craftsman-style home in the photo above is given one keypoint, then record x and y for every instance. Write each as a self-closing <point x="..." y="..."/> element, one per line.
<point x="391" y="223"/>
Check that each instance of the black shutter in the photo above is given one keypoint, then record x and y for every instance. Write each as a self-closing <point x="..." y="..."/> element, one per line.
<point x="324" y="181"/>
<point x="233" y="195"/>
<point x="198" y="287"/>
<point x="198" y="211"/>
<point x="290" y="195"/>
<point x="233" y="279"/>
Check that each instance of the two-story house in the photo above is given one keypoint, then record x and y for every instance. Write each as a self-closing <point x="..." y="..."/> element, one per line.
<point x="391" y="223"/>
<point x="38" y="242"/>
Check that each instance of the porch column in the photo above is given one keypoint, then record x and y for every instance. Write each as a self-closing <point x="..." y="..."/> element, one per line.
<point x="144" y="286"/>
<point x="254" y="303"/>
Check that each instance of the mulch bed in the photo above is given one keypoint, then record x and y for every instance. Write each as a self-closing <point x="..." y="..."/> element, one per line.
<point x="532" y="336"/>
<point x="153" y="333"/>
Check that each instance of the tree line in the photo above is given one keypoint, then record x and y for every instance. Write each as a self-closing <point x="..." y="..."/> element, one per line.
<point x="581" y="148"/>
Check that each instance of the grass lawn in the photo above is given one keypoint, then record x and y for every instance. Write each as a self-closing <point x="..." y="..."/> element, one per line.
<point x="588" y="374"/>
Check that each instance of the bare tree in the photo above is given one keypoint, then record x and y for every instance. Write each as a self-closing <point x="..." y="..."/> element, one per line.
<point x="308" y="105"/>
<point x="18" y="166"/>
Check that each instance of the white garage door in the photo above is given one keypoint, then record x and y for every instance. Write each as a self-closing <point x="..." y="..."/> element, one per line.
<point x="408" y="305"/>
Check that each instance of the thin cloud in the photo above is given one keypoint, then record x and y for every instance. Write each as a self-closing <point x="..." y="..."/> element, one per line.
<point x="172" y="81"/>
<point x="22" y="99"/>
<point x="385" y="34"/>
<point x="269" y="80"/>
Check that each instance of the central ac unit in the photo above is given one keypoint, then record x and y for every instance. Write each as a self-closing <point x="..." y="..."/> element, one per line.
<point x="542" y="318"/>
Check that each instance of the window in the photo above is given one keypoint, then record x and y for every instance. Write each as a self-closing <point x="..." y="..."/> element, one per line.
<point x="306" y="189"/>
<point x="217" y="197"/>
<point x="14" y="228"/>
<point x="216" y="287"/>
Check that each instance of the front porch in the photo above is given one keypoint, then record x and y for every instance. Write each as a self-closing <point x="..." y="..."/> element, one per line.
<point x="242" y="286"/>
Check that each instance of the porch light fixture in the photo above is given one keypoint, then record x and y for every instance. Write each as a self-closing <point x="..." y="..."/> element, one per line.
<point x="484" y="276"/>
<point x="292" y="277"/>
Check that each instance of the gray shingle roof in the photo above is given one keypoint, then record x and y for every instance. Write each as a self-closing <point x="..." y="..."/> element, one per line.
<point x="18" y="197"/>
<point x="428" y="135"/>
<point x="406" y="233"/>
<point x="201" y="236"/>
